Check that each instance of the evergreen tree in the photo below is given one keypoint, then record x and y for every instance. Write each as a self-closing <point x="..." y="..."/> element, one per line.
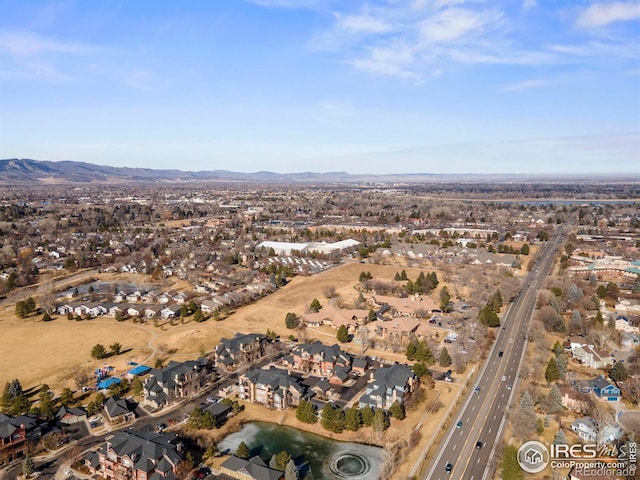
<point x="562" y="362"/>
<point x="496" y="301"/>
<point x="46" y="317"/>
<point x="619" y="372"/>
<point x="343" y="334"/>
<point x="307" y="412"/>
<point x="291" y="320"/>
<point x="333" y="418"/>
<point x="21" y="309"/>
<point x="371" y="316"/>
<point x="353" y="419"/>
<point x="15" y="388"/>
<point x="488" y="316"/>
<point x="551" y="374"/>
<point x="397" y="410"/>
<point x="445" y="298"/>
<point x="198" y="316"/>
<point x="98" y="351"/>
<point x="420" y="369"/>
<point x="380" y="421"/>
<point x="315" y="305"/>
<point x="243" y="450"/>
<point x="445" y="358"/>
<point x="554" y="400"/>
<point x="28" y="466"/>
<point x="367" y="413"/>
<point x="559" y="438"/>
<point x="410" y="351"/>
<point x="574" y="294"/>
<point x="557" y="347"/>
<point x="66" y="396"/>
<point x="46" y="401"/>
<point x="281" y="460"/>
<point x="424" y="353"/>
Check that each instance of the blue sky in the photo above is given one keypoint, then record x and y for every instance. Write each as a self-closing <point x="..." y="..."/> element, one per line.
<point x="385" y="86"/>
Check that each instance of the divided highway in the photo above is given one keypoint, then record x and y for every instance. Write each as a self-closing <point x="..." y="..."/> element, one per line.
<point x="469" y="444"/>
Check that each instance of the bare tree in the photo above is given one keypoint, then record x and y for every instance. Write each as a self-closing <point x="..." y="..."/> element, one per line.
<point x="601" y="415"/>
<point x="599" y="337"/>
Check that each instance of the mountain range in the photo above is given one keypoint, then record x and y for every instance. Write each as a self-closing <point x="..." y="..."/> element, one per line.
<point x="27" y="171"/>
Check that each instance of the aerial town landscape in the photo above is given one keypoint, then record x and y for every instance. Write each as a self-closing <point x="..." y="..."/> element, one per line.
<point x="319" y="240"/>
<point x="197" y="331"/>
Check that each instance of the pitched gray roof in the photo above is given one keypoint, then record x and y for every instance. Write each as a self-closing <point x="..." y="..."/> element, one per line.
<point x="255" y="468"/>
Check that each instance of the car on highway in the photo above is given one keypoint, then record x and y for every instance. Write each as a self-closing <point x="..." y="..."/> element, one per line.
<point x="500" y="353"/>
<point x="504" y="377"/>
<point x="477" y="389"/>
<point x="448" y="468"/>
<point x="68" y="472"/>
<point x="459" y="424"/>
<point x="479" y="444"/>
<point x="509" y="387"/>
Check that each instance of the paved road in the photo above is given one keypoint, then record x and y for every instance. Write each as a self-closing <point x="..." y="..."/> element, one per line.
<point x="483" y="412"/>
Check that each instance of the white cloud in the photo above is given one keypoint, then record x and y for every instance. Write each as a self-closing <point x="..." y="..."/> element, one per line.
<point x="454" y="23"/>
<point x="526" y="84"/>
<point x="602" y="14"/>
<point x="529" y="4"/>
<point x="362" y="24"/>
<point x="286" y="3"/>
<point x="25" y="44"/>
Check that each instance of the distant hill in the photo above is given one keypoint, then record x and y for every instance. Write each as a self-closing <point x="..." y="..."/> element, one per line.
<point x="26" y="171"/>
<point x="20" y="170"/>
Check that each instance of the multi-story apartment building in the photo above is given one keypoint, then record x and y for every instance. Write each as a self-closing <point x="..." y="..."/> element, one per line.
<point x="136" y="455"/>
<point x="177" y="380"/>
<point x="272" y="388"/>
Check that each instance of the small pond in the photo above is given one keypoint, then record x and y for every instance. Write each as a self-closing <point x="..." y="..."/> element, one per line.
<point x="316" y="456"/>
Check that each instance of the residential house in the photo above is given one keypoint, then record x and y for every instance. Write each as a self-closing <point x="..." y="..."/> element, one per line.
<point x="359" y="366"/>
<point x="335" y="317"/>
<point x="413" y="305"/>
<point x="13" y="439"/>
<point x="592" y="357"/>
<point x="587" y="429"/>
<point x="70" y="415"/>
<point x="137" y="455"/>
<point x="170" y="311"/>
<point x="220" y="412"/>
<point x="399" y="330"/>
<point x="135" y="310"/>
<point x="272" y="388"/>
<point x="389" y="384"/>
<point x="119" y="409"/>
<point x="241" y="349"/>
<point x="176" y="380"/>
<point x="574" y="400"/>
<point x="599" y="386"/>
<point x="252" y="469"/>
<point x="629" y="325"/>
<point x="152" y="311"/>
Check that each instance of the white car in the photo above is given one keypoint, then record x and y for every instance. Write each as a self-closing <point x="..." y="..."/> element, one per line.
<point x="68" y="472"/>
<point x="504" y="378"/>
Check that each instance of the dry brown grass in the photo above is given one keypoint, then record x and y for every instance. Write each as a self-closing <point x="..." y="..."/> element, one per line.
<point x="37" y="352"/>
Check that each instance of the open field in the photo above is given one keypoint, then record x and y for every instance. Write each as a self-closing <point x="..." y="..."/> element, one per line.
<point x="37" y="352"/>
